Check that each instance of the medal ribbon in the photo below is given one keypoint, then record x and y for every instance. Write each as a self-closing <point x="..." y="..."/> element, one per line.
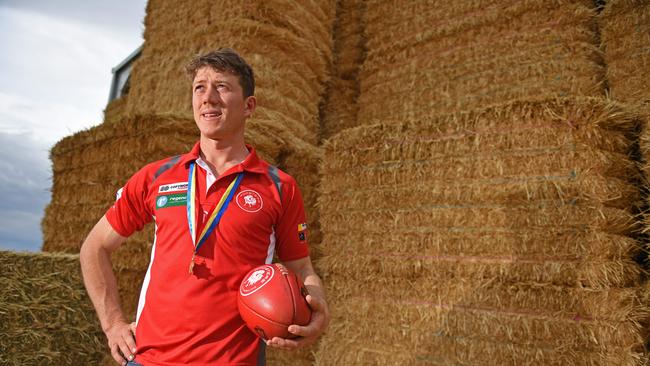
<point x="216" y="214"/>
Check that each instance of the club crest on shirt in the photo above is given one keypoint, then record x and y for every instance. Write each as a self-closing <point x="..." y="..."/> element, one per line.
<point x="249" y="200"/>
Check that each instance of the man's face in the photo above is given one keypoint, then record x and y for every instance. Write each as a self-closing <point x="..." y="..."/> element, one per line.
<point x="218" y="103"/>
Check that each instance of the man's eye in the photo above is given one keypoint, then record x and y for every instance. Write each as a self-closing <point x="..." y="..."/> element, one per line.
<point x="198" y="87"/>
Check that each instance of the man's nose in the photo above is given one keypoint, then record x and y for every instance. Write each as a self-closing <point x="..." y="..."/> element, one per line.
<point x="212" y="95"/>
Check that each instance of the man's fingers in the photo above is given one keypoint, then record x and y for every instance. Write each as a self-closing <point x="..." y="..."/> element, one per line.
<point x="127" y="345"/>
<point x="302" y="331"/>
<point x="314" y="303"/>
<point x="126" y="352"/>
<point x="283" y="343"/>
<point x="307" y="334"/>
<point x="117" y="355"/>
<point x="130" y="340"/>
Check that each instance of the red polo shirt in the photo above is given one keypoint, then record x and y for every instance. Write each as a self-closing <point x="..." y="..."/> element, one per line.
<point x="192" y="319"/>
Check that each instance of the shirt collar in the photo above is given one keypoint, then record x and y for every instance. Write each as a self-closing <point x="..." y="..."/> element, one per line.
<point x="252" y="163"/>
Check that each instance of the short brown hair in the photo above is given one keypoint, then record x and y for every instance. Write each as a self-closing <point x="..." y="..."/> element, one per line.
<point x="225" y="59"/>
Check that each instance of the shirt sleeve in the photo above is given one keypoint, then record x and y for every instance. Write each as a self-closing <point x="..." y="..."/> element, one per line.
<point x="291" y="229"/>
<point x="130" y="211"/>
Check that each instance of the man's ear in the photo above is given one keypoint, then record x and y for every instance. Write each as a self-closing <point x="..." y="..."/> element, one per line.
<point x="249" y="105"/>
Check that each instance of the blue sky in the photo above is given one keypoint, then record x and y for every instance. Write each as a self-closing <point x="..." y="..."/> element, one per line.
<point x="55" y="75"/>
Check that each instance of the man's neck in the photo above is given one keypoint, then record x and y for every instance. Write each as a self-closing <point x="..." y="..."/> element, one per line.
<point x="221" y="156"/>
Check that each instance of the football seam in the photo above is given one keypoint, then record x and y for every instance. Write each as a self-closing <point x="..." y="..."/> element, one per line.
<point x="294" y="312"/>
<point x="263" y="317"/>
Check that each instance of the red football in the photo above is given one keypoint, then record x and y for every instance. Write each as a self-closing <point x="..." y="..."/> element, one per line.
<point x="270" y="299"/>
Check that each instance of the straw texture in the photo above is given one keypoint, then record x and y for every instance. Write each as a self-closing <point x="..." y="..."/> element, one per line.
<point x="500" y="236"/>
<point x="116" y="109"/>
<point x="625" y="38"/>
<point x="46" y="317"/>
<point x="340" y="106"/>
<point x="447" y="57"/>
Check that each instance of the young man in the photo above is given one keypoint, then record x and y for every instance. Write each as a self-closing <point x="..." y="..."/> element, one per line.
<point x="219" y="212"/>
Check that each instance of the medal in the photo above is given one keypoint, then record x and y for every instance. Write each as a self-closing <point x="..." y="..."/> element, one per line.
<point x="215" y="216"/>
<point x="192" y="265"/>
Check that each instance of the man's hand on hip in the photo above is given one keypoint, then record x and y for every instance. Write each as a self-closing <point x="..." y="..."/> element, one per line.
<point x="121" y="341"/>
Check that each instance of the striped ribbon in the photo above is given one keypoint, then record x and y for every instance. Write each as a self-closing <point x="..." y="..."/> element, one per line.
<point x="216" y="214"/>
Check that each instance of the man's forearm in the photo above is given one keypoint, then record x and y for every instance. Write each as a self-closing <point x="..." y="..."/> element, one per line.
<point x="99" y="278"/>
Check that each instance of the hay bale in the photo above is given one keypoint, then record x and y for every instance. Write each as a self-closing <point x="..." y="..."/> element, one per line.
<point x="278" y="357"/>
<point x="116" y="109"/>
<point x="625" y="40"/>
<point x="468" y="55"/>
<point x="509" y="230"/>
<point x="468" y="336"/>
<point x="46" y="316"/>
<point x="288" y="45"/>
<point x="339" y="109"/>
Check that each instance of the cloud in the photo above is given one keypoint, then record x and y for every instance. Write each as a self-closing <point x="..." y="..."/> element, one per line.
<point x="123" y="18"/>
<point x="25" y="182"/>
<point x="20" y="231"/>
<point x="57" y="73"/>
<point x="55" y="68"/>
<point x="45" y="121"/>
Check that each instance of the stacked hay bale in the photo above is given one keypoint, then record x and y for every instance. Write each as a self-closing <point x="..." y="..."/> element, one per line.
<point x="462" y="55"/>
<point x="500" y="236"/>
<point x="340" y="108"/>
<point x="625" y="40"/>
<point x="625" y="37"/>
<point x="116" y="109"/>
<point x="46" y="317"/>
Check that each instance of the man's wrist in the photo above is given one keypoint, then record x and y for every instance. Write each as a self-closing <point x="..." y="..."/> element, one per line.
<point x="110" y="324"/>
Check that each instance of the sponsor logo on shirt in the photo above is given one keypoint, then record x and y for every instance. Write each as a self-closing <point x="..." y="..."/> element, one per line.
<point x="170" y="200"/>
<point x="249" y="200"/>
<point x="180" y="186"/>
